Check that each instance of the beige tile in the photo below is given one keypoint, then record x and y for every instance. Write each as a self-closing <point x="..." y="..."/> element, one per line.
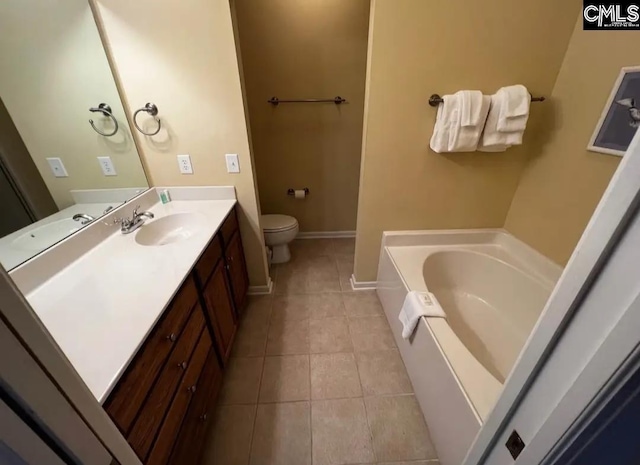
<point x="282" y="434"/>
<point x="241" y="381"/>
<point x="345" y="270"/>
<point x="383" y="373"/>
<point x="340" y="432"/>
<point x="334" y="376"/>
<point x="251" y="338"/>
<point x="319" y="274"/>
<point x="329" y="335"/>
<point x="326" y="305"/>
<point x="344" y="246"/>
<point x="285" y="379"/>
<point x="398" y="429"/>
<point x="288" y="337"/>
<point x="362" y="303"/>
<point x="230" y="436"/>
<point x="311" y="248"/>
<point x="371" y="333"/>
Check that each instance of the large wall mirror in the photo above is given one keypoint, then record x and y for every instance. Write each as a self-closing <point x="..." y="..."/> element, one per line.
<point x="58" y="171"/>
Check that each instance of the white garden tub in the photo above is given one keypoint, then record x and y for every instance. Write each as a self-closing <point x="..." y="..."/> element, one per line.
<point x="492" y="288"/>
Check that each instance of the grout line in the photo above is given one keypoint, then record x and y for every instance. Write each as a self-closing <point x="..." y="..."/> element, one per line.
<point x="255" y="416"/>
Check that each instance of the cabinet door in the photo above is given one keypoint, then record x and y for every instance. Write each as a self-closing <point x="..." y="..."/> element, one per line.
<point x="237" y="272"/>
<point x="220" y="310"/>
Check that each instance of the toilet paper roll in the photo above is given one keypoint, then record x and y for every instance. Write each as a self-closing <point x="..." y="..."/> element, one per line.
<point x="300" y="194"/>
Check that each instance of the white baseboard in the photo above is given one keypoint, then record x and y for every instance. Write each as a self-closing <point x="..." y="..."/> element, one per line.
<point x="362" y="285"/>
<point x="326" y="235"/>
<point x="261" y="290"/>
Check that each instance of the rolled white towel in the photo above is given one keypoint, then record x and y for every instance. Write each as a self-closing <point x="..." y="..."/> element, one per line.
<point x="417" y="305"/>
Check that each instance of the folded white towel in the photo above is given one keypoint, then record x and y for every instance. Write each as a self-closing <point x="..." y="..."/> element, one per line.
<point x="471" y="107"/>
<point x="446" y="115"/>
<point x="465" y="137"/>
<point x="493" y="140"/>
<point x="417" y="305"/>
<point x="514" y="108"/>
<point x="459" y="122"/>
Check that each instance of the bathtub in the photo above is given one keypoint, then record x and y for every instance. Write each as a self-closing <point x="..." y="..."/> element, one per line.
<point x="493" y="288"/>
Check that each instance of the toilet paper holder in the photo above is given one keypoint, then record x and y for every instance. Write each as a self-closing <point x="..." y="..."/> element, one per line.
<point x="293" y="192"/>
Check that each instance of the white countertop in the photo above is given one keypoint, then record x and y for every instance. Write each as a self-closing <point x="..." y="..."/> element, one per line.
<point x="101" y="307"/>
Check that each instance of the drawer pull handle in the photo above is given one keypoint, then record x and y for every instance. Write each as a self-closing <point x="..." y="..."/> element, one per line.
<point x="230" y="259"/>
<point x="203" y="417"/>
<point x="192" y="389"/>
<point x="183" y="365"/>
<point x="227" y="267"/>
<point x="172" y="337"/>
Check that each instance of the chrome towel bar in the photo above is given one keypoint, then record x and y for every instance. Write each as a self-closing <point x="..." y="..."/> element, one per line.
<point x="436" y="100"/>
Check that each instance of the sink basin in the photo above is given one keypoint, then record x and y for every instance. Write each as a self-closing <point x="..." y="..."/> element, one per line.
<point x="45" y="236"/>
<point x="170" y="229"/>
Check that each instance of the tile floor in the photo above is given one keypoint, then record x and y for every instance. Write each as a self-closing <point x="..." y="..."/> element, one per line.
<point x="315" y="377"/>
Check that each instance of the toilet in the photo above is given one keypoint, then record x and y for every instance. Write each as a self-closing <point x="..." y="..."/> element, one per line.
<point x="279" y="230"/>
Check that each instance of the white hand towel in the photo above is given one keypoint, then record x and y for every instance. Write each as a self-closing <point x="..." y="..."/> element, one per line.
<point x="447" y="112"/>
<point x="514" y="108"/>
<point x="417" y="305"/>
<point x="471" y="107"/>
<point x="493" y="140"/>
<point x="465" y="138"/>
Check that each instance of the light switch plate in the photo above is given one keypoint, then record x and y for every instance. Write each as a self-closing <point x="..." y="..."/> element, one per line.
<point x="184" y="162"/>
<point x="233" y="164"/>
<point x="107" y="166"/>
<point x="57" y="167"/>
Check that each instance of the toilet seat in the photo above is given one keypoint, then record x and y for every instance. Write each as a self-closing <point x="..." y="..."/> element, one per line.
<point x="278" y="223"/>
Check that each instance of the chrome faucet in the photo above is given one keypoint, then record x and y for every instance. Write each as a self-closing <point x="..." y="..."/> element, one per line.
<point x="86" y="219"/>
<point x="128" y="225"/>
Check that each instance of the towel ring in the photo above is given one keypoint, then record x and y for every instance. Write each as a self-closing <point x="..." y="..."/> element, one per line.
<point x="106" y="111"/>
<point x="152" y="110"/>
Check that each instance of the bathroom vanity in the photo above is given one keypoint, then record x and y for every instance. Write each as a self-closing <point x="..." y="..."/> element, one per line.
<point x="148" y="319"/>
<point x="164" y="400"/>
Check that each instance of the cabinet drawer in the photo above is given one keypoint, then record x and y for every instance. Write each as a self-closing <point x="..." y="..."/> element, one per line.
<point x="229" y="227"/>
<point x="208" y="260"/>
<point x="188" y="447"/>
<point x="155" y="407"/>
<point x="188" y="387"/>
<point x="125" y="402"/>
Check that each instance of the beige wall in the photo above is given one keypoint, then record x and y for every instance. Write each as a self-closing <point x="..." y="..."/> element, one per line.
<point x="181" y="56"/>
<point x="418" y="48"/>
<point x="306" y="49"/>
<point x="563" y="182"/>
<point x="53" y="70"/>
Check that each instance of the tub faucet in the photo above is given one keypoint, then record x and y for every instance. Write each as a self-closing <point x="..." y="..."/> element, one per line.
<point x="86" y="219"/>
<point x="128" y="225"/>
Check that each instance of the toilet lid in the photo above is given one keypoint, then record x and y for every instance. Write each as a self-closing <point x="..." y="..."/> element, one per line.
<point x="278" y="222"/>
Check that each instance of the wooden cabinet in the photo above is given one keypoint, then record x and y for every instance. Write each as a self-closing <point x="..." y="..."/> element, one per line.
<point x="163" y="402"/>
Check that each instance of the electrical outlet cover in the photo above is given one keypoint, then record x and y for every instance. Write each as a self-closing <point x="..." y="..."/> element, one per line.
<point x="106" y="165"/>
<point x="184" y="163"/>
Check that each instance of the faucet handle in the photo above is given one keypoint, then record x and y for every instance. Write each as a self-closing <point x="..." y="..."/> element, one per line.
<point x="135" y="211"/>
